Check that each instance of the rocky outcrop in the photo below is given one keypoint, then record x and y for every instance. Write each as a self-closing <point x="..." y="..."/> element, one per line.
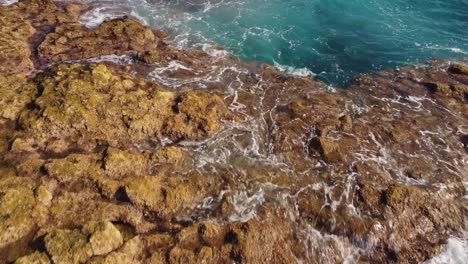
<point x="209" y="160"/>
<point x="24" y="26"/>
<point x="15" y="33"/>
<point x="100" y="107"/>
<point x="17" y="93"/>
<point x="116" y="37"/>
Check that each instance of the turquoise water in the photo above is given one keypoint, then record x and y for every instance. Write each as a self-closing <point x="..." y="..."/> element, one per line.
<point x="334" y="39"/>
<point x="338" y="38"/>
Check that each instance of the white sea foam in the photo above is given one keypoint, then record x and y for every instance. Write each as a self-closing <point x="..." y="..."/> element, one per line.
<point x="122" y="59"/>
<point x="440" y="47"/>
<point x="96" y="16"/>
<point x="246" y="205"/>
<point x="302" y="72"/>
<point x="7" y="2"/>
<point x="215" y="51"/>
<point x="454" y="252"/>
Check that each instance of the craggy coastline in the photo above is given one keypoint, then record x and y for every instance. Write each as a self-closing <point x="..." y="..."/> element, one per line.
<point x="179" y="156"/>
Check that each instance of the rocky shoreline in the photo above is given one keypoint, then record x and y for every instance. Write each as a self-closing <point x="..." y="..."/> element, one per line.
<point x="177" y="156"/>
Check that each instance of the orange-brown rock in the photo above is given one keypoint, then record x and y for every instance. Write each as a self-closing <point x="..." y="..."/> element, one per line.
<point x="101" y="107"/>
<point x="114" y="37"/>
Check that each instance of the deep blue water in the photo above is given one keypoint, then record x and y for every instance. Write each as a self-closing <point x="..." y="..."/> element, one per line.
<point x="334" y="39"/>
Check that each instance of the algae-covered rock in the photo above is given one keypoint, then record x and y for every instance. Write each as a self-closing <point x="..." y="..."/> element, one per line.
<point x="68" y="246"/>
<point x="105" y="238"/>
<point x="255" y="241"/>
<point x="78" y="209"/>
<point x="17" y="220"/>
<point x="459" y="69"/>
<point x="15" y="32"/>
<point x="35" y="258"/>
<point x="146" y="191"/>
<point x="45" y="14"/>
<point x="78" y="246"/>
<point x="132" y="252"/>
<point x="16" y="94"/>
<point x="22" y="26"/>
<point x="118" y="163"/>
<point x="16" y="205"/>
<point x="118" y="36"/>
<point x="258" y="241"/>
<point x="101" y="107"/>
<point x="328" y="149"/>
<point x="178" y="255"/>
<point x="197" y="116"/>
<point x="73" y="168"/>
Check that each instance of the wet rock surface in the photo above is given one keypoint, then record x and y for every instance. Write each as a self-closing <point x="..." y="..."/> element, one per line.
<point x="182" y="157"/>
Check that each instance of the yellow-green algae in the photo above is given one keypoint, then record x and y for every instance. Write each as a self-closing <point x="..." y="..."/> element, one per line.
<point x="85" y="106"/>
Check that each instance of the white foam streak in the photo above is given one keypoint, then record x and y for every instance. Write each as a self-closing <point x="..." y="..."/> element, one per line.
<point x="302" y="72"/>
<point x="7" y="2"/>
<point x="454" y="252"/>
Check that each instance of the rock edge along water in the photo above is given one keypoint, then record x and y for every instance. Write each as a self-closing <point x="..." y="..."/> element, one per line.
<point x="100" y="165"/>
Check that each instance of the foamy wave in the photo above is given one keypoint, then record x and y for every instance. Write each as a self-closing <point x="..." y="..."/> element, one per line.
<point x="303" y="72"/>
<point x="7" y="2"/>
<point x="454" y="252"/>
<point x="215" y="51"/>
<point x="439" y="47"/>
<point x="103" y="10"/>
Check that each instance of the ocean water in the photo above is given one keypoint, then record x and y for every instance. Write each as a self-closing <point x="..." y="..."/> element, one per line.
<point x="332" y="39"/>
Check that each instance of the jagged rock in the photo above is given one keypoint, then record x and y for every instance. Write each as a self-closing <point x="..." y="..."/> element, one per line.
<point x="15" y="31"/>
<point x="26" y="22"/>
<point x="459" y="69"/>
<point x="78" y="246"/>
<point x="328" y="149"/>
<point x="104" y="239"/>
<point x="17" y="220"/>
<point x="46" y="15"/>
<point x="414" y="238"/>
<point x="68" y="246"/>
<point x="131" y="252"/>
<point x="105" y="108"/>
<point x="117" y="36"/>
<point x="146" y="191"/>
<point x="35" y="258"/>
<point x="258" y="241"/>
<point x="196" y="116"/>
<point x="78" y="209"/>
<point x="122" y="163"/>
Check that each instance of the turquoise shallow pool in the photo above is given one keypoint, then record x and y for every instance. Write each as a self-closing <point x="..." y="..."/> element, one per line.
<point x="334" y="39"/>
